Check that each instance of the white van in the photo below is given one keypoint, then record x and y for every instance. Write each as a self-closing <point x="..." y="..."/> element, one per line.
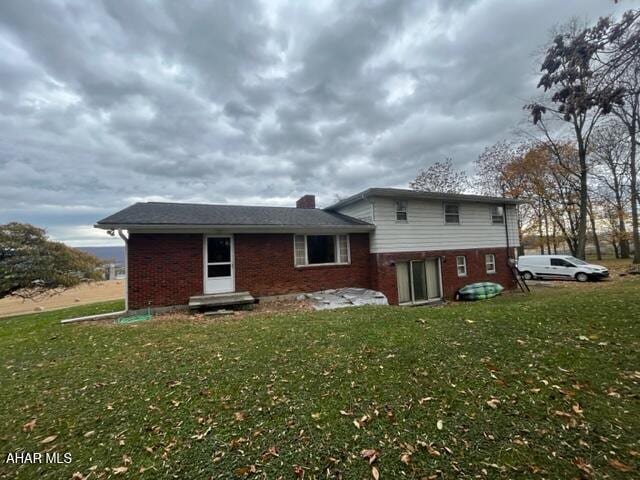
<point x="559" y="267"/>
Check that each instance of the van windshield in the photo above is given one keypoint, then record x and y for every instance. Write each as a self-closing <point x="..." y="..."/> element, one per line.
<point x="577" y="261"/>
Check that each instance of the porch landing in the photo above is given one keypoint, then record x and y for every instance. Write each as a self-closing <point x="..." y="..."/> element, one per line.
<point x="221" y="300"/>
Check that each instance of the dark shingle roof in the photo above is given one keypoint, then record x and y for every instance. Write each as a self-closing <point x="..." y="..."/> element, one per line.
<point x="403" y="193"/>
<point x="177" y="214"/>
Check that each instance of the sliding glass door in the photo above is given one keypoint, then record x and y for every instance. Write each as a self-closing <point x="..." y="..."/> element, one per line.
<point x="418" y="280"/>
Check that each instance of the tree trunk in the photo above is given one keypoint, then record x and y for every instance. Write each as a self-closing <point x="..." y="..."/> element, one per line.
<point x="615" y="248"/>
<point x="634" y="191"/>
<point x="584" y="198"/>
<point x="546" y="232"/>
<point x="595" y="234"/>
<point x="622" y="229"/>
<point x="540" y="235"/>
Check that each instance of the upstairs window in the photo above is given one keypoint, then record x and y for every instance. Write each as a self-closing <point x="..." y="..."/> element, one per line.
<point x="401" y="211"/>
<point x="451" y="214"/>
<point x="497" y="215"/>
<point x="461" y="265"/>
<point x="321" y="249"/>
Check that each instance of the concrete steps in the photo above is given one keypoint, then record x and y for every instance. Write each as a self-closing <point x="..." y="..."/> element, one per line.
<point x="238" y="299"/>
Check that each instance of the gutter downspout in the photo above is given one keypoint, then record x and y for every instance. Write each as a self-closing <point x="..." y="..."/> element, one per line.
<point x="126" y="268"/>
<point x="506" y="227"/>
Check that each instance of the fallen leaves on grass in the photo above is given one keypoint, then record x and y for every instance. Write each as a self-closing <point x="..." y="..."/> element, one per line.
<point x="582" y="465"/>
<point x="271" y="452"/>
<point x="618" y="465"/>
<point x="245" y="471"/>
<point x="29" y="426"/>
<point x="49" y="439"/>
<point x="370" y="454"/>
<point x="493" y="403"/>
<point x="375" y="473"/>
<point x="119" y="470"/>
<point x="439" y="425"/>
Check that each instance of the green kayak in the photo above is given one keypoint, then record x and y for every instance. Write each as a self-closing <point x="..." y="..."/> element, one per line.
<point x="479" y="291"/>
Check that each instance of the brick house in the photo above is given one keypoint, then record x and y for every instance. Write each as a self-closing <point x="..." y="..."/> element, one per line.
<point x="415" y="247"/>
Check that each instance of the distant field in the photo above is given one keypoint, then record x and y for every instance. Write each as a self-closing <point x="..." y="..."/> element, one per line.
<point x="81" y="295"/>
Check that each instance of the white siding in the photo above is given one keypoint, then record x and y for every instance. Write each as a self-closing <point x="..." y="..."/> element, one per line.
<point x="362" y="210"/>
<point x="425" y="228"/>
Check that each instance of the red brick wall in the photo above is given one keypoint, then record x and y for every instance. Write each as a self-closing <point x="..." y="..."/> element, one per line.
<point x="384" y="271"/>
<point x="167" y="269"/>
<point x="265" y="266"/>
<point x="164" y="269"/>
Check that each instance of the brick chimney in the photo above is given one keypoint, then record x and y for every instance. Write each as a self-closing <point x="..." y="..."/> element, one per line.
<point x="308" y="201"/>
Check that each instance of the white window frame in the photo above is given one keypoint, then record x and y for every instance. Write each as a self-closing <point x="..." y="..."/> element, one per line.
<point x="491" y="256"/>
<point x="495" y="216"/>
<point x="404" y="211"/>
<point x="444" y="213"/>
<point x="463" y="265"/>
<point x="337" y="252"/>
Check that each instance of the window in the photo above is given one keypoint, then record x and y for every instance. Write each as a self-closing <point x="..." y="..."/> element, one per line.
<point x="497" y="215"/>
<point x="321" y="249"/>
<point x="490" y="262"/>
<point x="451" y="213"/>
<point x="576" y="261"/>
<point x="461" y="264"/>
<point x="401" y="211"/>
<point x="559" y="262"/>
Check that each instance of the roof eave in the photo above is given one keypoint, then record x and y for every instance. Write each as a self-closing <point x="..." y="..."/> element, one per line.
<point x="409" y="194"/>
<point x="235" y="228"/>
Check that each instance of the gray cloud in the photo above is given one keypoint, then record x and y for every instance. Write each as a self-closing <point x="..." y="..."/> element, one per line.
<point x="107" y="103"/>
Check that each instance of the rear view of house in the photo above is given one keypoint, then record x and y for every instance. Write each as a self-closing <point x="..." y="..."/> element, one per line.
<point x="415" y="247"/>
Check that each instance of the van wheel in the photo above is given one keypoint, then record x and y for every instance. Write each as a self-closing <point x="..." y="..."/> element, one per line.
<point x="582" y="277"/>
<point x="527" y="275"/>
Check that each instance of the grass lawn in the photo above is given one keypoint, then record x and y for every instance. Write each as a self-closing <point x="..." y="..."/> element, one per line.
<point x="538" y="386"/>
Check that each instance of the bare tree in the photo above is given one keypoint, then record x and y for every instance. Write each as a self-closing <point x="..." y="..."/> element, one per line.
<point x="440" y="177"/>
<point x="492" y="174"/>
<point x="610" y="155"/>
<point x="581" y="93"/>
<point x="627" y="75"/>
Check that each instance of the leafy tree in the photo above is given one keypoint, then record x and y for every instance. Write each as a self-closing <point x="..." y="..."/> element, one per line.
<point x="32" y="266"/>
<point x="581" y="93"/>
<point x="440" y="177"/>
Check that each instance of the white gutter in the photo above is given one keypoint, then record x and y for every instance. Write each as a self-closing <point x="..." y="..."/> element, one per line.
<point x="159" y="228"/>
<point x="126" y="268"/>
<point x="99" y="316"/>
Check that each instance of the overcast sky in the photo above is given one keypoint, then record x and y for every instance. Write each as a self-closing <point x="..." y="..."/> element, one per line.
<point x="103" y="104"/>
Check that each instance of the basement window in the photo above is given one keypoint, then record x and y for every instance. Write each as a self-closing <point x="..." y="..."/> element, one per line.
<point x="321" y="250"/>
<point x="490" y="262"/>
<point x="461" y="265"/>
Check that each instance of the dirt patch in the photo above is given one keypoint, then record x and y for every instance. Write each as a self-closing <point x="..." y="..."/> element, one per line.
<point x="80" y="295"/>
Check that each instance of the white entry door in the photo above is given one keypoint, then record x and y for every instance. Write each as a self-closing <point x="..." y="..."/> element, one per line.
<point x="218" y="264"/>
